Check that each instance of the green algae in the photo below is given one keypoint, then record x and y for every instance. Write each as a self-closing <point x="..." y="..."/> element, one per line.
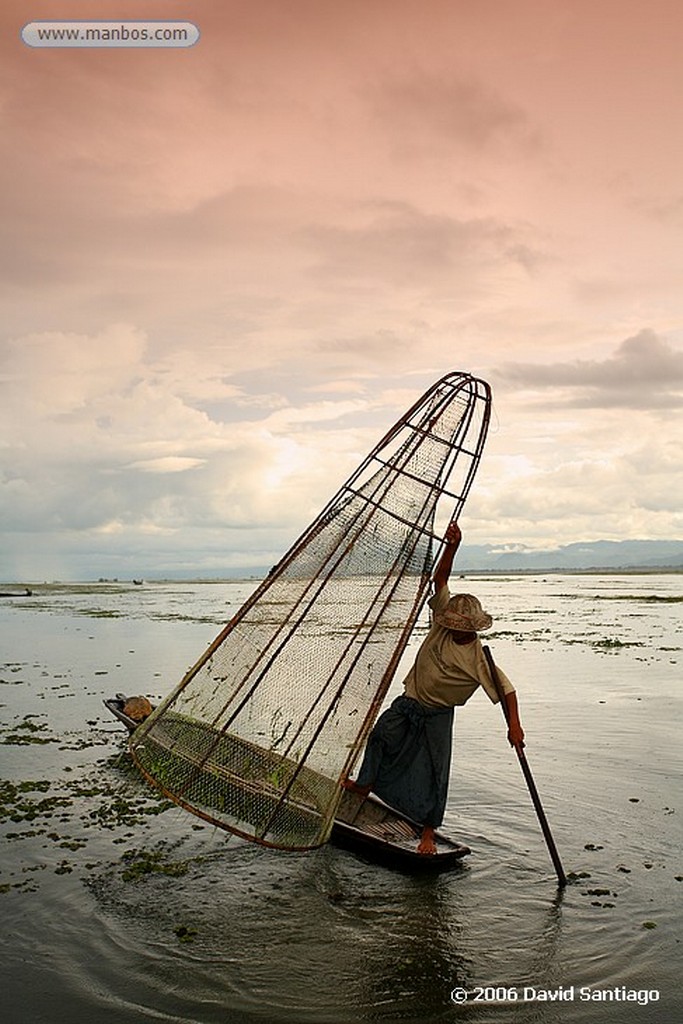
<point x="82" y="804"/>
<point x="118" y="811"/>
<point x="613" y="643"/>
<point x="607" y="644"/>
<point x="24" y="733"/>
<point x="140" y="863"/>
<point x="16" y="807"/>
<point x="17" y="740"/>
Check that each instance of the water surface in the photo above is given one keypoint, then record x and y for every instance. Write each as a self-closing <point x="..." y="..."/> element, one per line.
<point x="118" y="907"/>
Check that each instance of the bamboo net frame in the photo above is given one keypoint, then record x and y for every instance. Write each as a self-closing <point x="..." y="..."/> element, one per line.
<point x="258" y="735"/>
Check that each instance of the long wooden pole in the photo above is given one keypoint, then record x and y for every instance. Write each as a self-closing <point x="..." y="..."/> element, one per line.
<point x="526" y="770"/>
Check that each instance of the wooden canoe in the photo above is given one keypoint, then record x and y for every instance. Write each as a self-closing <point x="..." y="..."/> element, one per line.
<point x="366" y="826"/>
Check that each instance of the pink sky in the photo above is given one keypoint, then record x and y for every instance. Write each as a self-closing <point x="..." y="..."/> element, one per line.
<point x="228" y="268"/>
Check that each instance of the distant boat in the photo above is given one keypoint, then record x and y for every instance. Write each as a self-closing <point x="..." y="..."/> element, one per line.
<point x="26" y="592"/>
<point x="138" y="583"/>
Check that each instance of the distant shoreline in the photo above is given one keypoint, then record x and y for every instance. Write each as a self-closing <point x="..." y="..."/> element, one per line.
<point x="253" y="578"/>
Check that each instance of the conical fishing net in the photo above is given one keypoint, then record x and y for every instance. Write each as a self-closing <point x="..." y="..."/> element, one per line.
<point x="259" y="733"/>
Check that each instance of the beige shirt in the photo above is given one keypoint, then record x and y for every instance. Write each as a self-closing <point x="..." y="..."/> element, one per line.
<point x="446" y="674"/>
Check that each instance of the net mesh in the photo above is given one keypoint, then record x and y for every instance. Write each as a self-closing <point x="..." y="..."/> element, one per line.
<point x="258" y="735"/>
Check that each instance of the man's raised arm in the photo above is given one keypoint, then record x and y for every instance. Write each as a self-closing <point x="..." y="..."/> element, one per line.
<point x="442" y="572"/>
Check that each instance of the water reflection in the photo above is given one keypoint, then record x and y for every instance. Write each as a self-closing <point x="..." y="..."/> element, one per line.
<point x="407" y="943"/>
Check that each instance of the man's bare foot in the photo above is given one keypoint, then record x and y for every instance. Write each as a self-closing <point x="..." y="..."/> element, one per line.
<point x="427" y="844"/>
<point x="353" y="787"/>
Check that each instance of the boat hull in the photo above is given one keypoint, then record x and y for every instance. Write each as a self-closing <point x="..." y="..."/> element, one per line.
<point x="366" y="826"/>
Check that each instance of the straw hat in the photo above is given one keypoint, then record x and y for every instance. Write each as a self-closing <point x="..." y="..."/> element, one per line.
<point x="465" y="613"/>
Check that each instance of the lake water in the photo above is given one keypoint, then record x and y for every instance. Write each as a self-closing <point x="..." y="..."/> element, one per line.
<point x="119" y="908"/>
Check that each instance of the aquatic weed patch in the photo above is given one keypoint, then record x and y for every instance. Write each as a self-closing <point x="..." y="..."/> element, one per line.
<point x="522" y="635"/>
<point x="53" y="816"/>
<point x="100" y="613"/>
<point x="211" y="620"/>
<point x="26" y="733"/>
<point x="96" y="738"/>
<point x="606" y="644"/>
<point x="17" y="805"/>
<point x="140" y="863"/>
<point x="614" y="644"/>
<point x="119" y="811"/>
<point x="12" y="668"/>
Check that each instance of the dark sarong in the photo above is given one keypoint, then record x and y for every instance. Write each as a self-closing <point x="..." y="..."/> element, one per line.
<point x="407" y="759"/>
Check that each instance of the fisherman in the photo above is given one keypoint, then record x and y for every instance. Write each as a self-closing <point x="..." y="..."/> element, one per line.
<point x="408" y="753"/>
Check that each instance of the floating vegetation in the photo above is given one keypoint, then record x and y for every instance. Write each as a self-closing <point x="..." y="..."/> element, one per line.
<point x="24" y="734"/>
<point x="609" y="644"/>
<point x="9" y="793"/>
<point x="13" y="669"/>
<point x="85" y="743"/>
<point x="612" y="643"/>
<point x="67" y="844"/>
<point x="41" y="804"/>
<point x="210" y="620"/>
<point x="140" y="863"/>
<point x="120" y="811"/>
<point x="16" y="806"/>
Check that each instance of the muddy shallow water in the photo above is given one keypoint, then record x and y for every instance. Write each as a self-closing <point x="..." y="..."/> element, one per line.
<point x="119" y="907"/>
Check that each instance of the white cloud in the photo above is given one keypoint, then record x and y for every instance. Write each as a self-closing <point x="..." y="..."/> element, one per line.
<point x="167" y="464"/>
<point x="59" y="372"/>
<point x="100" y="437"/>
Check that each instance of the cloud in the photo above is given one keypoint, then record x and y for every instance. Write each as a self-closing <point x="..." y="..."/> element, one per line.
<point x="665" y="210"/>
<point x="61" y="371"/>
<point x="164" y="461"/>
<point x="645" y="372"/>
<point x="422" y="110"/>
<point x="167" y="464"/>
<point x="101" y="436"/>
<point x="399" y="245"/>
<point x="579" y="494"/>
